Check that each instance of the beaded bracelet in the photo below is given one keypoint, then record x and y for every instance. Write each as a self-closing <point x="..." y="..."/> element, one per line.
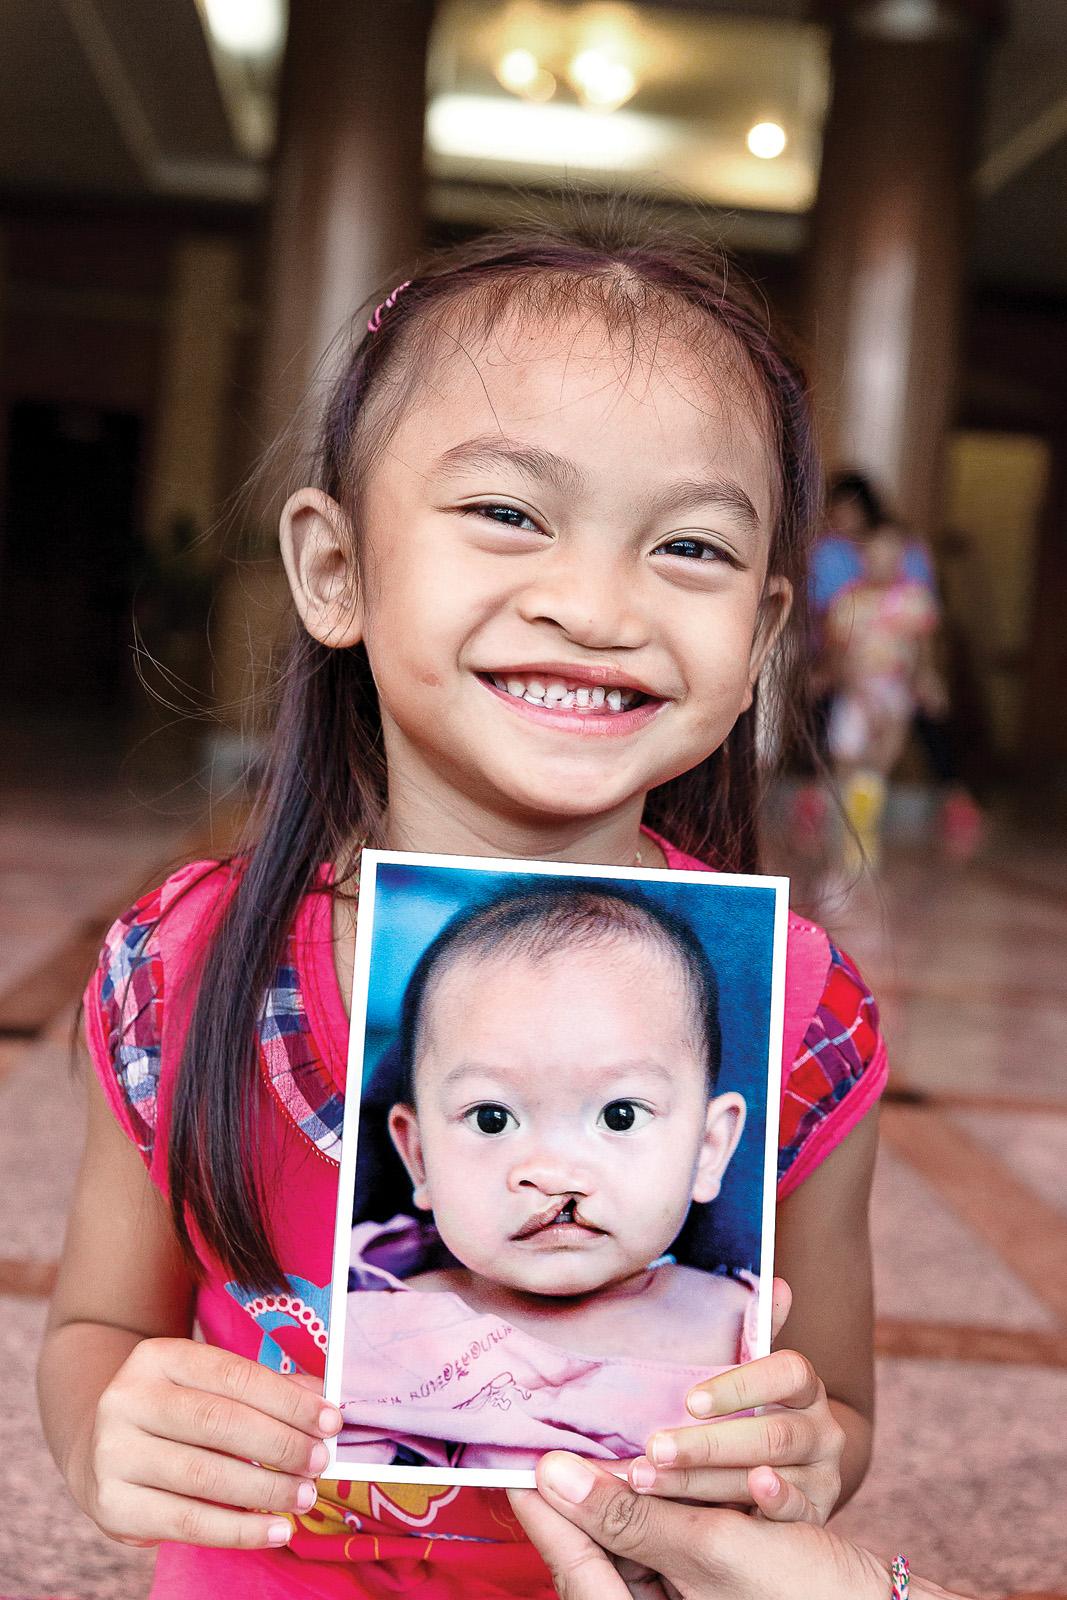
<point x="900" y="1573"/>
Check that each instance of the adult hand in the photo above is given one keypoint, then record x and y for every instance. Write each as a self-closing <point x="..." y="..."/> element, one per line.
<point x="601" y="1541"/>
<point x="175" y="1443"/>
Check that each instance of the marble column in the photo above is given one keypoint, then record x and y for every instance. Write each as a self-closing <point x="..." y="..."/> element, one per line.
<point x="345" y="217"/>
<point x="346" y="211"/>
<point x="889" y="231"/>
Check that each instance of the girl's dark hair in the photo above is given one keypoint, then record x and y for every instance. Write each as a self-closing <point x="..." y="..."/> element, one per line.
<point x="324" y="792"/>
<point x="559" y="914"/>
<point x="855" y="486"/>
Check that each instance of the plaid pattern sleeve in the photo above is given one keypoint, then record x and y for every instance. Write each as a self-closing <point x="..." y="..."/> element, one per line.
<point x="293" y="1066"/>
<point x="842" y="1057"/>
<point x="129" y="1018"/>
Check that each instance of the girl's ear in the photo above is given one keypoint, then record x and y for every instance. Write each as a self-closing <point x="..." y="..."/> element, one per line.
<point x="404" y="1132"/>
<point x="723" y="1126"/>
<point x="319" y="555"/>
<point x="776" y="602"/>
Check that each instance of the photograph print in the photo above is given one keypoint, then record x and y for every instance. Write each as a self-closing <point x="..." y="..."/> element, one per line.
<point x="557" y="1183"/>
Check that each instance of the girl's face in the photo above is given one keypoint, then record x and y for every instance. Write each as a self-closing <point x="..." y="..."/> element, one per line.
<point x="563" y="556"/>
<point x="562" y="1123"/>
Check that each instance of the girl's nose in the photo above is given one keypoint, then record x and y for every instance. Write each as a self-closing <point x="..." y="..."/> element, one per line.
<point x="589" y="597"/>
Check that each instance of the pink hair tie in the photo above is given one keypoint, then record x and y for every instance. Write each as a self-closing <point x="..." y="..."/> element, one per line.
<point x="374" y="321"/>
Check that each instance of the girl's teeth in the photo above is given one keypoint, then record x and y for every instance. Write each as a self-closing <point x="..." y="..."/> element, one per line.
<point x="556" y="694"/>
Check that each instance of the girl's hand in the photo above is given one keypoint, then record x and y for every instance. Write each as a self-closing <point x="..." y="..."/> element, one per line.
<point x="173" y="1440"/>
<point x="719" y="1462"/>
<point x="603" y="1542"/>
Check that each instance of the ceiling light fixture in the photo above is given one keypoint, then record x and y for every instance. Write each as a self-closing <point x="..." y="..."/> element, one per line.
<point x="517" y="70"/>
<point x="766" y="140"/>
<point x="600" y="81"/>
<point x="520" y="72"/>
<point x="251" y="28"/>
<point x="490" y="128"/>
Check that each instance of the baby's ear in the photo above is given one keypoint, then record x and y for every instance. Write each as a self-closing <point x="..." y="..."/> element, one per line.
<point x="404" y="1132"/>
<point x="319" y="555"/>
<point x="723" y="1125"/>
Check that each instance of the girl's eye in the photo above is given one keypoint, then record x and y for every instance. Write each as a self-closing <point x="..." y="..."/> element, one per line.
<point x="692" y="549"/>
<point x="506" y="516"/>
<point x="489" y="1118"/>
<point x="623" y="1116"/>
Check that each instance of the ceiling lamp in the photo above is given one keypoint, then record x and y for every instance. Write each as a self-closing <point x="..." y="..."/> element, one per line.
<point x="491" y="128"/>
<point x="766" y="140"/>
<point x="251" y="28"/>
<point x="600" y="81"/>
<point x="520" y="71"/>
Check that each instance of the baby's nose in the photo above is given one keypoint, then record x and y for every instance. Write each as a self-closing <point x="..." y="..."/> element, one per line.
<point x="551" y="1173"/>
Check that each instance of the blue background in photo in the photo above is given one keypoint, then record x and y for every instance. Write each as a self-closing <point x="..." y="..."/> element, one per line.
<point x="734" y="923"/>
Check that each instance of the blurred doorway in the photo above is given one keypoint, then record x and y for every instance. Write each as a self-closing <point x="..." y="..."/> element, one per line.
<point x="70" y="559"/>
<point x="997" y="487"/>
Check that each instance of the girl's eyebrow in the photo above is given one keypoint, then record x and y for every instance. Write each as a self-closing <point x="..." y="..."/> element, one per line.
<point x="566" y="477"/>
<point x="492" y="450"/>
<point x="722" y="493"/>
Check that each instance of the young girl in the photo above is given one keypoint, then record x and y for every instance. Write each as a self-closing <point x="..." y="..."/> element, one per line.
<point x="559" y="1149"/>
<point x="879" y="634"/>
<point x="567" y="465"/>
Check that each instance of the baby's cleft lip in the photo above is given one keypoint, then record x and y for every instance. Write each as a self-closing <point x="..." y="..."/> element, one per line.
<point x="561" y="1213"/>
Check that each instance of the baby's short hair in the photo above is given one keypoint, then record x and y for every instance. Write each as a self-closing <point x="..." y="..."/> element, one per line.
<point x="552" y="914"/>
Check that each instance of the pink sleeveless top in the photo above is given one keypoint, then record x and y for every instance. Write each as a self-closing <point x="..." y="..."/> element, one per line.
<point x="446" y="1543"/>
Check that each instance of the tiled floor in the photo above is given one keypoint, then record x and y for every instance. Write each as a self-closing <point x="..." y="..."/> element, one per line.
<point x="969" y="1215"/>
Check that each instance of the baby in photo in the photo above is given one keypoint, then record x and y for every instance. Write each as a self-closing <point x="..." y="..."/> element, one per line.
<point x="560" y="1049"/>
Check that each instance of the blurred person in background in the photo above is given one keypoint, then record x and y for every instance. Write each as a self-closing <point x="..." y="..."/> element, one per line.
<point x="855" y="512"/>
<point x="877" y="639"/>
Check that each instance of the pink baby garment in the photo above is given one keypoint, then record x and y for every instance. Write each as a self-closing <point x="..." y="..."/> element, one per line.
<point x="426" y="1372"/>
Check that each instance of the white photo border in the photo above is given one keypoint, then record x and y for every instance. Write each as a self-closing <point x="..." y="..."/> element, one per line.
<point x="489" y="1477"/>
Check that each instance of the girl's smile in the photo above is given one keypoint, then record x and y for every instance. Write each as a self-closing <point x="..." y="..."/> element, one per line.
<point x="570" y="701"/>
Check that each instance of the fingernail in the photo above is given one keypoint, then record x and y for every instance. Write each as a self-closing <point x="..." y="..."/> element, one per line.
<point x="330" y="1420"/>
<point x="568" y="1477"/>
<point x="642" y="1474"/>
<point x="663" y="1450"/>
<point x="700" y="1404"/>
<point x="306" y="1496"/>
<point x="279" y="1533"/>
<point x="318" y="1459"/>
<point x="769" y="1483"/>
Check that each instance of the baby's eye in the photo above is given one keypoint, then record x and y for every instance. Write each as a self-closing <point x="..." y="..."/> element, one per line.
<point x="623" y="1116"/>
<point x="506" y="516"/>
<point x="489" y="1118"/>
<point x="691" y="548"/>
